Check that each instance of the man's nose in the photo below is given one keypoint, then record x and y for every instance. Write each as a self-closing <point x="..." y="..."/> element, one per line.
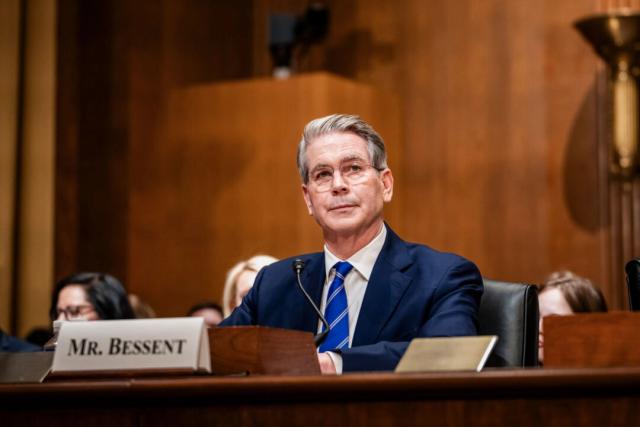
<point x="62" y="316"/>
<point x="338" y="184"/>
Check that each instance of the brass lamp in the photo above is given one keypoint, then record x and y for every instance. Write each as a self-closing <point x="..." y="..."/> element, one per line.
<point x="616" y="39"/>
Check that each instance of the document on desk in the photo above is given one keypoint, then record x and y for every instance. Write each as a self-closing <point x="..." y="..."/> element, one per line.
<point x="447" y="354"/>
<point x="169" y="344"/>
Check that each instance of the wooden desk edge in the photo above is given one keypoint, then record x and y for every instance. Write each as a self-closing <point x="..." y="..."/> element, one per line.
<point x="492" y="383"/>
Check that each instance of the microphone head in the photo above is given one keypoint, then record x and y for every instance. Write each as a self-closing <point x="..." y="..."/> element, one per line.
<point x="298" y="265"/>
<point x="281" y="29"/>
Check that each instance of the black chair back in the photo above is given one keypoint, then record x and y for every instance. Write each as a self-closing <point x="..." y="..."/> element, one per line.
<point x="510" y="311"/>
<point x="633" y="283"/>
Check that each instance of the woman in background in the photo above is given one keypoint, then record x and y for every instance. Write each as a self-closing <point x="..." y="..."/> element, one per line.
<point x="240" y="280"/>
<point x="90" y="296"/>
<point x="565" y="293"/>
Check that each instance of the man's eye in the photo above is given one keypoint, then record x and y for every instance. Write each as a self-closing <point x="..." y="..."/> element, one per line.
<point x="354" y="168"/>
<point x="322" y="174"/>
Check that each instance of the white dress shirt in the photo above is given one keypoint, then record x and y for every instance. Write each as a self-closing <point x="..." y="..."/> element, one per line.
<point x="355" y="284"/>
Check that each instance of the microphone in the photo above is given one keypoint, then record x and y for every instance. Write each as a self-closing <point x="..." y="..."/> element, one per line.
<point x="298" y="266"/>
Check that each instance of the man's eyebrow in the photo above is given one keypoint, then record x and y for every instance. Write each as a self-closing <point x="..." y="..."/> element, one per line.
<point x="347" y="158"/>
<point x="351" y="157"/>
<point x="320" y="166"/>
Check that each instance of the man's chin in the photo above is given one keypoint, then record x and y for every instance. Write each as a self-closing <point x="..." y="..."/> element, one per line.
<point x="342" y="225"/>
<point x="347" y="225"/>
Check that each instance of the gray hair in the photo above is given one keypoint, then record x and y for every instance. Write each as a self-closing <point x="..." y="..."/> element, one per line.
<point x="341" y="123"/>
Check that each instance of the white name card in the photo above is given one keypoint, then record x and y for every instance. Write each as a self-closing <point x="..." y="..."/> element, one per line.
<point x="144" y="344"/>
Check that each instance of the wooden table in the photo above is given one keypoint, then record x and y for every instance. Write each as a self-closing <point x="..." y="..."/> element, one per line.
<point x="533" y="397"/>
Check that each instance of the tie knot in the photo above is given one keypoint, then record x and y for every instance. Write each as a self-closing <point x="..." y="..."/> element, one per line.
<point x="343" y="268"/>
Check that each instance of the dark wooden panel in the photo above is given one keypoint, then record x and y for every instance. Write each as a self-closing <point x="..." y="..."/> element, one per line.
<point x="532" y="412"/>
<point x="92" y="156"/>
<point x="259" y="350"/>
<point x="66" y="184"/>
<point x="592" y="340"/>
<point x="525" y="397"/>
<point x="118" y="60"/>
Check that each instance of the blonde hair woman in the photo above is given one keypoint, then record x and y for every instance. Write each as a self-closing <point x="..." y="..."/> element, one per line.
<point x="240" y="280"/>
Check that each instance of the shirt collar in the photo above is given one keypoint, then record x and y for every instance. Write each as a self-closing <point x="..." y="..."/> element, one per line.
<point x="363" y="260"/>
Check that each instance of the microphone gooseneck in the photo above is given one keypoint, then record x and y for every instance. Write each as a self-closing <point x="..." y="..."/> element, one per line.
<point x="298" y="266"/>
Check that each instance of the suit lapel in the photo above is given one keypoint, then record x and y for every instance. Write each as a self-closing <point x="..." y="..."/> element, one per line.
<point x="386" y="286"/>
<point x="313" y="281"/>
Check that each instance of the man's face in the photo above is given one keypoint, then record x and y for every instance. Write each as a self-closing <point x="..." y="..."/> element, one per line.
<point x="345" y="207"/>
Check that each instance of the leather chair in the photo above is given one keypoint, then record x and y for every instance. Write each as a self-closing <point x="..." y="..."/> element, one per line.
<point x="510" y="311"/>
<point x="633" y="283"/>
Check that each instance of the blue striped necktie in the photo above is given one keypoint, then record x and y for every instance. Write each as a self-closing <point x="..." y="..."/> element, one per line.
<point x="337" y="311"/>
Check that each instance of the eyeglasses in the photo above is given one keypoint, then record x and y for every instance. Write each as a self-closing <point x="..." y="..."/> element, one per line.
<point x="75" y="311"/>
<point x="352" y="171"/>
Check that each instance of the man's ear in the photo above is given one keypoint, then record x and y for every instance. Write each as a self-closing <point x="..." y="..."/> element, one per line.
<point x="386" y="177"/>
<point x="307" y="199"/>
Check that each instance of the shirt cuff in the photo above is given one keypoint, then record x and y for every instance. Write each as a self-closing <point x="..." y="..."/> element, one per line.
<point x="337" y="361"/>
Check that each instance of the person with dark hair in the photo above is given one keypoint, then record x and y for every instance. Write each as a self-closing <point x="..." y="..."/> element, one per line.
<point x="565" y="293"/>
<point x="90" y="296"/>
<point x="210" y="311"/>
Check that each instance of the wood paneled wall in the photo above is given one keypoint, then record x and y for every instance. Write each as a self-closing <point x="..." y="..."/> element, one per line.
<point x="502" y="117"/>
<point x="503" y="135"/>
<point x="9" y="131"/>
<point x="27" y="142"/>
<point x="229" y="188"/>
<point x="118" y="62"/>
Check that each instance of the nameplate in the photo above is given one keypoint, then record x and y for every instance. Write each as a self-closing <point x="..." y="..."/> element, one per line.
<point x="447" y="354"/>
<point x="170" y="344"/>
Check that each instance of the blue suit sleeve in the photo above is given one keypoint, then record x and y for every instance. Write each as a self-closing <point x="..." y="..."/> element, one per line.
<point x="452" y="312"/>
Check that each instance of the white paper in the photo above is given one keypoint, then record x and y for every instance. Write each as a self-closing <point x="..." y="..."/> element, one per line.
<point x="142" y="344"/>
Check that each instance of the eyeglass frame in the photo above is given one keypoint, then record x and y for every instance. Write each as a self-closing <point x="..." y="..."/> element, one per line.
<point x="75" y="311"/>
<point x="345" y="176"/>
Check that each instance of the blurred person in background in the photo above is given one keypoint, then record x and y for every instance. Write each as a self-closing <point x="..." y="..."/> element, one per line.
<point x="565" y="293"/>
<point x="240" y="280"/>
<point x="90" y="296"/>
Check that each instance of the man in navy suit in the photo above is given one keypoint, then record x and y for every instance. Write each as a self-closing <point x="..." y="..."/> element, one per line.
<point x="377" y="291"/>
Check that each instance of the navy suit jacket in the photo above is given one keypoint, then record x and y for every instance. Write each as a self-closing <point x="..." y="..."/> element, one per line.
<point x="13" y="344"/>
<point x="414" y="291"/>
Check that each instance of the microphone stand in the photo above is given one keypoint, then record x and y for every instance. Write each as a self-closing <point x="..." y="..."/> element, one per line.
<point x="298" y="266"/>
